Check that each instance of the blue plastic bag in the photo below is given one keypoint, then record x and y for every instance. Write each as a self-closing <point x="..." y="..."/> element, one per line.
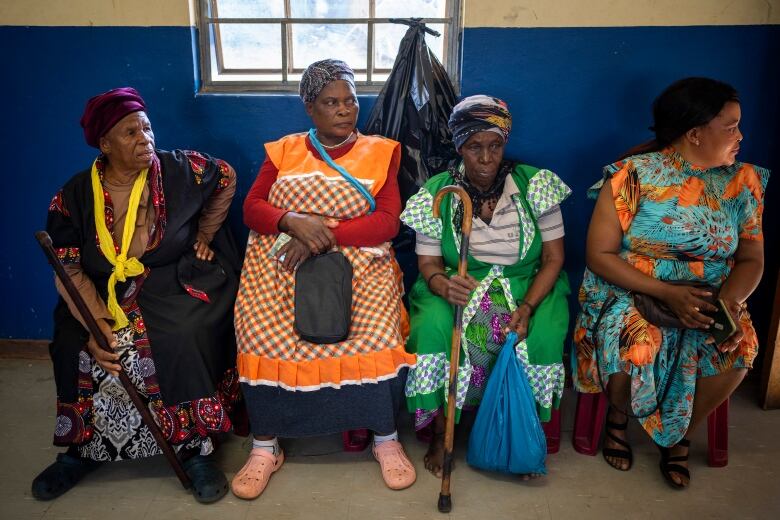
<point x="507" y="436"/>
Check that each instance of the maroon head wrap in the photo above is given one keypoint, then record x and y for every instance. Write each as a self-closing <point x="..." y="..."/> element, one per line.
<point x="105" y="110"/>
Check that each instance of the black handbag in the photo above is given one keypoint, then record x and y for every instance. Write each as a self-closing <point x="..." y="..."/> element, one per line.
<point x="323" y="298"/>
<point x="659" y="314"/>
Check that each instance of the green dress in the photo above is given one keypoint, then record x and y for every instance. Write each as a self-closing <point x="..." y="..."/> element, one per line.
<point x="490" y="306"/>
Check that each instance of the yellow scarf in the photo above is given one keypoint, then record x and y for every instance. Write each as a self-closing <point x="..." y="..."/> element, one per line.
<point x="123" y="266"/>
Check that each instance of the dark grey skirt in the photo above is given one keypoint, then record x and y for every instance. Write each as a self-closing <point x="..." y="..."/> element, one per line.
<point x="279" y="412"/>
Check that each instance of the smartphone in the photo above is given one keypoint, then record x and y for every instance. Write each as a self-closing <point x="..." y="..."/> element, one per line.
<point x="724" y="325"/>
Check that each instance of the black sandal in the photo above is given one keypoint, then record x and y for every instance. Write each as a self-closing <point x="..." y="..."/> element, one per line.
<point x="668" y="467"/>
<point x="617" y="453"/>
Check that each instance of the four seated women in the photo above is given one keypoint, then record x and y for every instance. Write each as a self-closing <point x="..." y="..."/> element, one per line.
<point x="679" y="209"/>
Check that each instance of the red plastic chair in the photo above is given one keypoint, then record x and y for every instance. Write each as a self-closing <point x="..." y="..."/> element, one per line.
<point x="552" y="430"/>
<point x="355" y="440"/>
<point x="718" y="436"/>
<point x="589" y="423"/>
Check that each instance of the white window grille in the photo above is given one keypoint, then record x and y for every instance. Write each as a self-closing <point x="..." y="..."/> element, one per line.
<point x="265" y="45"/>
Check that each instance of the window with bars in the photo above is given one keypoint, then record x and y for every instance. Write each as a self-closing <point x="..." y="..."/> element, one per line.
<point x="265" y="45"/>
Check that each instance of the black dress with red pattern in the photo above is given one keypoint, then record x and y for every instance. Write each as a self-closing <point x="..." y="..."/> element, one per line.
<point x="179" y="348"/>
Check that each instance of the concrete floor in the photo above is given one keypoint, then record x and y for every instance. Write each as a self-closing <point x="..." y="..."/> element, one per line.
<point x="320" y="481"/>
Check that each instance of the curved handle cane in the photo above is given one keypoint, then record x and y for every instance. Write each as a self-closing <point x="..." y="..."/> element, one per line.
<point x="445" y="500"/>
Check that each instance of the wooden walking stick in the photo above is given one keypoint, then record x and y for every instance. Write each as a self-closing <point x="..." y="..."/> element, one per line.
<point x="445" y="501"/>
<point x="45" y="242"/>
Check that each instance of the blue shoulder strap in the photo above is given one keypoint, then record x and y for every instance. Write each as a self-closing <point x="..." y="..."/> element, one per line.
<point x="344" y="173"/>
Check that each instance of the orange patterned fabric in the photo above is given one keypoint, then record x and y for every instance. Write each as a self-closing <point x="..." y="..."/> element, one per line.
<point x="269" y="350"/>
<point x="625" y="191"/>
<point x="748" y="179"/>
<point x="690" y="192"/>
<point x="368" y="160"/>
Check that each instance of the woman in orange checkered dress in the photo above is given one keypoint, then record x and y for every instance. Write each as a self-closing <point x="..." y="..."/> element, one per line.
<point x="299" y="206"/>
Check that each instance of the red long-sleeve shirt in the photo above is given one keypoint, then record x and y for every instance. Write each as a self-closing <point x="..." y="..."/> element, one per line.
<point x="369" y="230"/>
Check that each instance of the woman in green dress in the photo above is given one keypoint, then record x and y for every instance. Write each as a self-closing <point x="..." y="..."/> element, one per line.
<point x="514" y="278"/>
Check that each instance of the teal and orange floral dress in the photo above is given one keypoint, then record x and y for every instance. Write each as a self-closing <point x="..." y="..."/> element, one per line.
<point x="679" y="222"/>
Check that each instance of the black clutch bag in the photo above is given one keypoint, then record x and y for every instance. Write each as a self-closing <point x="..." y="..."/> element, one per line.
<point x="659" y="314"/>
<point x="323" y="298"/>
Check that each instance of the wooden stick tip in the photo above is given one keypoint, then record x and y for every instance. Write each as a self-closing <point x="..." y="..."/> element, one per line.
<point x="445" y="503"/>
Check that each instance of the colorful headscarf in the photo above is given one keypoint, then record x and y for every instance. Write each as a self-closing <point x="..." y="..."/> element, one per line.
<point x="479" y="113"/>
<point x="319" y="74"/>
<point x="105" y="110"/>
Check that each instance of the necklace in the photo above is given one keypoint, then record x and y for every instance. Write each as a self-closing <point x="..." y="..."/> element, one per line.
<point x="336" y="145"/>
<point x="479" y="197"/>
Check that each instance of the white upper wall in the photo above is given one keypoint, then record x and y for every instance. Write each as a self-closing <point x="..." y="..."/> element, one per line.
<point x="478" y="13"/>
<point x="133" y="13"/>
<point x="619" y="13"/>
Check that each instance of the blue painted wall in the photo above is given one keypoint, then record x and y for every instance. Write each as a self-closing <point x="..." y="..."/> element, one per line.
<point x="579" y="97"/>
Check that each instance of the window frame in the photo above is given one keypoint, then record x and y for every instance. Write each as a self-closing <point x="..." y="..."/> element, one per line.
<point x="209" y="42"/>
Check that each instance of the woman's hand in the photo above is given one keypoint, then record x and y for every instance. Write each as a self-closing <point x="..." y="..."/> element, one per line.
<point x="732" y="342"/>
<point x="203" y="251"/>
<point x="312" y="230"/>
<point x="519" y="322"/>
<point x="686" y="302"/>
<point x="542" y="284"/>
<point x="739" y="285"/>
<point x="294" y="252"/>
<point x="456" y="289"/>
<point x="109" y="361"/>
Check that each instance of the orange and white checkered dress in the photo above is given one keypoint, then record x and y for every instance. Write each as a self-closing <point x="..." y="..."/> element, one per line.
<point x="269" y="350"/>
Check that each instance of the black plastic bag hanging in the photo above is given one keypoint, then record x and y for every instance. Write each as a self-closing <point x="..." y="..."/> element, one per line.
<point x="413" y="108"/>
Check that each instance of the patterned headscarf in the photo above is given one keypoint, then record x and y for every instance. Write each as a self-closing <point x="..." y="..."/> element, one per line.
<point x="479" y="113"/>
<point x="319" y="74"/>
<point x="105" y="110"/>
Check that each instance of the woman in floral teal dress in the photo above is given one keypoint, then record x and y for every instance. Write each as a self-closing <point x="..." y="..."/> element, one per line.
<point x="680" y="208"/>
<point x="514" y="272"/>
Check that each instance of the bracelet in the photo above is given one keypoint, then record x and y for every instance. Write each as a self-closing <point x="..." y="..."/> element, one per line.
<point x="434" y="275"/>
<point x="525" y="302"/>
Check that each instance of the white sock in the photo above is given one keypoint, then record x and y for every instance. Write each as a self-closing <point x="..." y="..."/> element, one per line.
<point x="271" y="446"/>
<point x="379" y="439"/>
